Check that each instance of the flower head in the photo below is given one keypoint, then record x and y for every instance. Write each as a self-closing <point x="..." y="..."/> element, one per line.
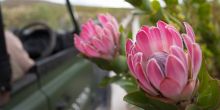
<point x="161" y="65"/>
<point x="99" y="40"/>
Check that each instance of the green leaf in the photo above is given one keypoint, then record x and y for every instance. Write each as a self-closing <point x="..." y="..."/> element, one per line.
<point x="123" y="38"/>
<point x="208" y="93"/>
<point x="155" y="6"/>
<point x="139" y="99"/>
<point x="119" y="64"/>
<point x="129" y="35"/>
<point x="128" y="84"/>
<point x="171" y="2"/>
<point x="108" y="80"/>
<point x="204" y="11"/>
<point x="146" y="6"/>
<point x="101" y="63"/>
<point x="121" y="29"/>
<point x="141" y="4"/>
<point x="135" y="3"/>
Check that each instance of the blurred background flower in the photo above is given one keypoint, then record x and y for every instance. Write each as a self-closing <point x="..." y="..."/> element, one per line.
<point x="99" y="41"/>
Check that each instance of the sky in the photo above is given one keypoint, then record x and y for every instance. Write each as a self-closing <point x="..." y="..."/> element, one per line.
<point x="100" y="3"/>
<point x="96" y="3"/>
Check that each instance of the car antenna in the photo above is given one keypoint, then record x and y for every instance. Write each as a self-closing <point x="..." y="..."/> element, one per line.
<point x="74" y="21"/>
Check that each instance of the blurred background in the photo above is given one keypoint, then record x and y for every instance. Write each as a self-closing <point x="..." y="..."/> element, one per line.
<point x="54" y="12"/>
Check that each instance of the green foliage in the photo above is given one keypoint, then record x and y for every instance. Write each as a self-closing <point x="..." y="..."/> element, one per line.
<point x="141" y="4"/>
<point x="124" y="80"/>
<point x="123" y="38"/>
<point x="155" y="6"/>
<point x="108" y="80"/>
<point x="129" y="35"/>
<point x="140" y="99"/>
<point x="118" y="64"/>
<point x="127" y="83"/>
<point x="208" y="93"/>
<point x="171" y="2"/>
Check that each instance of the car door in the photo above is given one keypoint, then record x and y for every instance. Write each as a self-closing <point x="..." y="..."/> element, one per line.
<point x="72" y="82"/>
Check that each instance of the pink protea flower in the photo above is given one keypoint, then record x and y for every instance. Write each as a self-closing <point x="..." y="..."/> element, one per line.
<point x="161" y="65"/>
<point x="99" y="41"/>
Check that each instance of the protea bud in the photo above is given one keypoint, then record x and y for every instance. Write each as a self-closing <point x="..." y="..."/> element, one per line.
<point x="99" y="40"/>
<point x="161" y="65"/>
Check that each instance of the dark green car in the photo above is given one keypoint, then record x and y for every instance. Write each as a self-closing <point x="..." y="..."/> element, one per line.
<point x="59" y="80"/>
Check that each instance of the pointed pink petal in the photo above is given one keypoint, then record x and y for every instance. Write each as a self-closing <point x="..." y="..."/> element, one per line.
<point x="144" y="81"/>
<point x="78" y="43"/>
<point x="146" y="29"/>
<point x="129" y="62"/>
<point x="109" y="46"/>
<point x="170" y="89"/>
<point x="85" y="33"/>
<point x="144" y="43"/>
<point x="102" y="19"/>
<point x="99" y="46"/>
<point x="197" y="59"/>
<point x="189" y="31"/>
<point x="154" y="73"/>
<point x="108" y="40"/>
<point x="114" y="32"/>
<point x="167" y="39"/>
<point x="179" y="53"/>
<point x="138" y="58"/>
<point x="155" y="39"/>
<point x="109" y="35"/>
<point x="135" y="49"/>
<point x="165" y="35"/>
<point x="91" y="51"/>
<point x="129" y="44"/>
<point x="99" y="32"/>
<point x="188" y="42"/>
<point x="150" y="92"/>
<point x="113" y="20"/>
<point x="188" y="90"/>
<point x="161" y="24"/>
<point x="176" y="71"/>
<point x="85" y="28"/>
<point x="90" y="24"/>
<point x="176" y="37"/>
